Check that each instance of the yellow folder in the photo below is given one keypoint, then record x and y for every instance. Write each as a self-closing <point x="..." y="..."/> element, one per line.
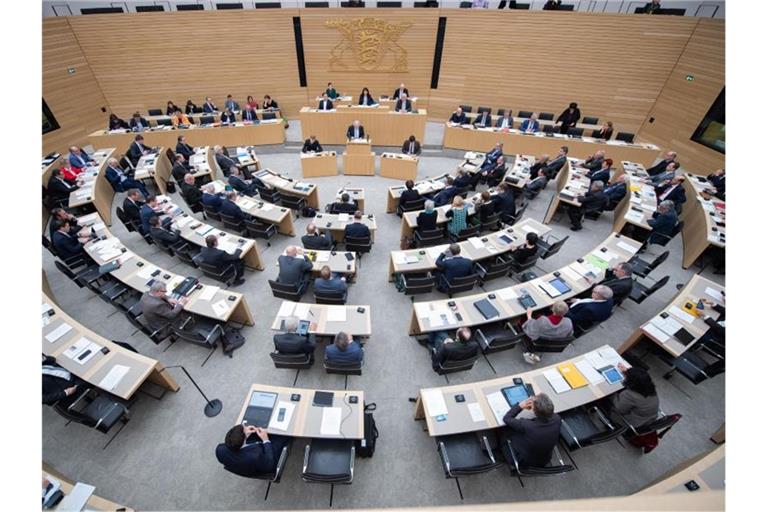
<point x="572" y="375"/>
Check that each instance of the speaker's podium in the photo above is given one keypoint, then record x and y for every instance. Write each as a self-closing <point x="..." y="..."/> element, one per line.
<point x="319" y="164"/>
<point x="399" y="166"/>
<point x="358" y="158"/>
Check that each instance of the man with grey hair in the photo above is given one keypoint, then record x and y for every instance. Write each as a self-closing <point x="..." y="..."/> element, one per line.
<point x="122" y="180"/>
<point x="451" y="266"/>
<point x="210" y="198"/>
<point x="291" y="342"/>
<point x="403" y="104"/>
<point x="594" y="162"/>
<point x="189" y="190"/>
<point x="594" y="200"/>
<point x="586" y="313"/>
<point x="225" y="162"/>
<point x="663" y="223"/>
<point x="344" y="350"/>
<point x="159" y="310"/>
<point x="531" y="440"/>
<point x="619" y="280"/>
<point x="355" y="131"/>
<point x="554" y="326"/>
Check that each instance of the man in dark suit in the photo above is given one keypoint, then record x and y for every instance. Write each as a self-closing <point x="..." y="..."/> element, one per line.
<point x="164" y="234"/>
<point x="249" y="451"/>
<point x="316" y="241"/>
<point x="505" y="121"/>
<point x="225" y="162"/>
<point x="593" y="200"/>
<point x="409" y="194"/>
<point x="445" y="196"/>
<point x="458" y="117"/>
<point x="331" y="283"/>
<point x="209" y="107"/>
<point x="325" y="103"/>
<point x="403" y="104"/>
<point x="160" y="311"/>
<point x="444" y="348"/>
<point x="492" y="156"/>
<point x="619" y="280"/>
<point x="247" y="187"/>
<point x="137" y="149"/>
<point x="344" y="350"/>
<point x="584" y="313"/>
<point x="616" y="192"/>
<point x="79" y="159"/>
<point x="554" y="166"/>
<point x="132" y="206"/>
<point x="663" y="223"/>
<point x="568" y="118"/>
<point x="58" y="189"/>
<point x="536" y="185"/>
<point x="67" y="245"/>
<point x="146" y="211"/>
<point x="357" y="229"/>
<point x="180" y="168"/>
<point x="228" y="117"/>
<point x="595" y="161"/>
<point x="121" y="179"/>
<point x="532" y="440"/>
<point x="138" y="123"/>
<point x="295" y="266"/>
<point x="249" y="115"/>
<point x="210" y="198"/>
<point x="495" y="173"/>
<point x="482" y="120"/>
<point x="291" y="342"/>
<point x="412" y="146"/>
<point x="462" y="179"/>
<point x="666" y="175"/>
<point x="669" y="157"/>
<point x="60" y="214"/>
<point x="229" y="207"/>
<point x="312" y="145"/>
<point x="602" y="174"/>
<point x="399" y="92"/>
<point x="231" y="104"/>
<point x="344" y="205"/>
<point x="189" y="190"/>
<point x="531" y="125"/>
<point x="182" y="148"/>
<point x="673" y="191"/>
<point x="59" y="385"/>
<point x="212" y="255"/>
<point x="717" y="179"/>
<point x="355" y="131"/>
<point x="450" y="266"/>
<point x="504" y="202"/>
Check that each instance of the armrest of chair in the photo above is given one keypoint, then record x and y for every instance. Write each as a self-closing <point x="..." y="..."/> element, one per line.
<point x="626" y="423"/>
<point x="487" y="446"/>
<point x="281" y="464"/>
<point x="570" y="431"/>
<point x="556" y="451"/>
<point x="352" y="462"/>
<point x="482" y="338"/>
<point x="481" y="268"/>
<point x="514" y="457"/>
<point x="603" y="418"/>
<point x="78" y="399"/>
<point x="444" y="456"/>
<point x="306" y="459"/>
<point x="210" y="335"/>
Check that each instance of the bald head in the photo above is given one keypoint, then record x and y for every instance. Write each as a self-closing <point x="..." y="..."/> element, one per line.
<point x="189" y="178"/>
<point x="291" y="250"/>
<point x="311" y="228"/>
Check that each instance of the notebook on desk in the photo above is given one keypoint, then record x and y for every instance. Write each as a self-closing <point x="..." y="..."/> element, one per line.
<point x="486" y="309"/>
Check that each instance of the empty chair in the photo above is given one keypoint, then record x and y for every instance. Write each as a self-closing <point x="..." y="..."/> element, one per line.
<point x="643" y="268"/>
<point x="207" y="120"/>
<point x="295" y="203"/>
<point x="466" y="454"/>
<point x="155" y="112"/>
<point x="526" y="114"/>
<point x="464" y="234"/>
<point x="232" y="224"/>
<point x="226" y="274"/>
<point x="429" y="237"/>
<point x="292" y="292"/>
<point x="550" y="249"/>
<point x="164" y="122"/>
<point x="292" y="361"/>
<point x="546" y="116"/>
<point x="626" y="137"/>
<point x="389" y="4"/>
<point x="498" y="336"/>
<point x="87" y="276"/>
<point x="582" y="427"/>
<point x="129" y="224"/>
<point x="457" y="285"/>
<point x="256" y="229"/>
<point x="491" y="223"/>
<point x="530" y="471"/>
<point x="466" y="108"/>
<point x="513" y="219"/>
<point x="96" y="411"/>
<point x="500" y="112"/>
<point x="329" y="461"/>
<point x="465" y="5"/>
<point x="416" y="283"/>
<point x="521" y="266"/>
<point x="266" y="116"/>
<point x="575" y="132"/>
<point x="548" y="128"/>
<point x="480" y="110"/>
<point x="648" y="436"/>
<point x="590" y="120"/>
<point x="324" y="297"/>
<point x="269" y="195"/>
<point x="200" y="331"/>
<point x="492" y="268"/>
<point x="641" y="292"/>
<point x="315" y="4"/>
<point x="703" y="361"/>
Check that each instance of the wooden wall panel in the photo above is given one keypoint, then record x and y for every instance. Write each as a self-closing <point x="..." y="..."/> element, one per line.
<point x="682" y="105"/>
<point x="418" y="40"/>
<point x="76" y="99"/>
<point x="614" y="66"/>
<point x="143" y="60"/>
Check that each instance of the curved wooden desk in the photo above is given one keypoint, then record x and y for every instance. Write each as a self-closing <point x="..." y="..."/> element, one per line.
<point x="638" y="205"/>
<point x="327" y="320"/>
<point x="385" y="127"/>
<point x="270" y="213"/>
<point x="704" y="217"/>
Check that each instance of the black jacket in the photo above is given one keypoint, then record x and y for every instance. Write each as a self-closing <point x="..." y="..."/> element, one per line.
<point x="621" y="286"/>
<point x="460" y="119"/>
<point x="313" y="147"/>
<point x="416" y="147"/>
<point x="426" y="220"/>
<point x="569" y="118"/>
<point x="532" y="439"/>
<point x="164" y="235"/>
<point x="409" y="195"/>
<point x="59" y="189"/>
<point x="67" y="245"/>
<point x="455" y="351"/>
<point x="351" y="132"/>
<point x="251" y="460"/>
<point x="317" y="242"/>
<point x="292" y="343"/>
<point x="133" y="210"/>
<point x="184" y="149"/>
<point x="217" y="257"/>
<point x="357" y="230"/>
<point x="53" y="387"/>
<point x="191" y="193"/>
<point x="403" y="105"/>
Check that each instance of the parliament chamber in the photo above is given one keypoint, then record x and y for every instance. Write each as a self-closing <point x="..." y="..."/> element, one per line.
<point x="357" y="244"/>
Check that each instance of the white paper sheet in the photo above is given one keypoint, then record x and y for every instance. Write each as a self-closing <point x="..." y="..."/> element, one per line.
<point x="556" y="380"/>
<point x="476" y="242"/>
<point x="183" y="221"/>
<point x="58" y="332"/>
<point x="337" y="314"/>
<point x="77" y="348"/>
<point x="323" y="256"/>
<point x="286" y="308"/>
<point x="436" y="319"/>
<point x="589" y="372"/>
<point x="220" y="308"/>
<point x="609" y="354"/>
<point x="434" y="252"/>
<point x="624" y="246"/>
<point x="434" y="402"/>
<point x="422" y="309"/>
<point x="669" y="325"/>
<point x="657" y="333"/>
<point x="498" y="405"/>
<point x="282" y="425"/>
<point x="571" y="274"/>
<point x="343" y="217"/>
<point x="508" y="293"/>
<point x="113" y="378"/>
<point x="475" y="412"/>
<point x="76" y="499"/>
<point x="398" y="257"/>
<point x="715" y="294"/>
<point x="679" y="313"/>
<point x="302" y="311"/>
<point x="208" y="292"/>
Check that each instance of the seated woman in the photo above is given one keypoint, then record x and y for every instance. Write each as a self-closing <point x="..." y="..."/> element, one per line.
<point x="366" y="98"/>
<point x="253" y="103"/>
<point x="457" y="216"/>
<point x="170" y="108"/>
<point x="427" y="219"/>
<point x="190" y="107"/>
<point x="115" y="123"/>
<point x="179" y="118"/>
<point x="553" y="326"/>
<point x="638" y="402"/>
<point x="269" y="103"/>
<point x="525" y="251"/>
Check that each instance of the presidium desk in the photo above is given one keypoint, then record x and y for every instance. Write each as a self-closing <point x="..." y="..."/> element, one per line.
<point x="382" y="125"/>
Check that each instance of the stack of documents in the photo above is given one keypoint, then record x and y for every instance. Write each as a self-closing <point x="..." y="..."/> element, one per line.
<point x="434" y="403"/>
<point x="556" y="380"/>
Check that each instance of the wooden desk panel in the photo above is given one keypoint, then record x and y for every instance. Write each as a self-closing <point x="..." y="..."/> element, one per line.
<point x="701" y="213"/>
<point x="399" y="167"/>
<point x="289" y="186"/>
<point x="359" y="165"/>
<point x="355" y="324"/>
<point x="94" y="502"/>
<point x="385" y="128"/>
<point x="319" y="164"/>
<point x="266" y="212"/>
<point x="639" y="204"/>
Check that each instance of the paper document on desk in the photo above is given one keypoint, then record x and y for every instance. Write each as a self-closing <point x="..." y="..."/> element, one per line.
<point x="146" y="272"/>
<point x="204" y="229"/>
<point x="109" y="255"/>
<point x="649" y="207"/>
<point x="614" y="359"/>
<point x="422" y="309"/>
<point x="246" y="204"/>
<point x="183" y="221"/>
<point x="498" y="405"/>
<point x="411" y="258"/>
<point x="58" y="332"/>
<point x="549" y="289"/>
<point x="556" y="380"/>
<point x="220" y="308"/>
<point x="434" y="252"/>
<point x="682" y="315"/>
<point x="606" y="256"/>
<point x="286" y="308"/>
<point x="571" y="274"/>
<point x="398" y="257"/>
<point x="434" y="402"/>
<point x="657" y="333"/>
<point x="267" y="207"/>
<point x="592" y="375"/>
<point x="113" y="378"/>
<point x="715" y="294"/>
<point x="669" y="325"/>
<point x="77" y="498"/>
<point x="476" y="242"/>
<point x="288" y="407"/>
<point x="301" y="311"/>
<point x="323" y="256"/>
<point x="475" y="412"/>
<point x="624" y="246"/>
<point x="343" y="217"/>
<point x="208" y="292"/>
<point x="331" y="422"/>
<point x="508" y="293"/>
<point x="337" y="314"/>
<point x="634" y="216"/>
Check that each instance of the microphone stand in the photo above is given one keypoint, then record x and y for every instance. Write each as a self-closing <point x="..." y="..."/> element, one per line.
<point x="212" y="407"/>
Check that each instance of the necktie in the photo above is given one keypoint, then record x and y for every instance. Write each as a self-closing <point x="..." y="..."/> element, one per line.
<point x="412" y="151"/>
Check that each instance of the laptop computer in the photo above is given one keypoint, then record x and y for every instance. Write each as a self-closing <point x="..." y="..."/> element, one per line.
<point x="260" y="408"/>
<point x="486" y="309"/>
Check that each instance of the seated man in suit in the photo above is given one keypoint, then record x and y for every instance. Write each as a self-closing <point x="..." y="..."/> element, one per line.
<point x="229" y="207"/>
<point x="315" y="240"/>
<point x="166" y="235"/>
<point x="495" y="173"/>
<point x="58" y="189"/>
<point x="224" y="161"/>
<point x="355" y="131"/>
<point x="132" y="206"/>
<point x="400" y="90"/>
<point x="312" y="145"/>
<point x="209" y="107"/>
<point x="60" y="385"/>
<point x="619" y="280"/>
<point x="555" y="165"/>
<point x="445" y="348"/>
<point x="482" y="120"/>
<point x="79" y="159"/>
<point x="458" y="117"/>
<point x="593" y="200"/>
<point x="159" y="310"/>
<point x="445" y="196"/>
<point x="228" y="117"/>
<point x="249" y="451"/>
<point x="331" y="283"/>
<point x="182" y="148"/>
<point x="524" y="252"/>
<point x="247" y="187"/>
<point x="663" y="223"/>
<point x="409" y="194"/>
<point x="210" y="198"/>
<point x="67" y="244"/>
<point x="180" y="168"/>
<point x="665" y="175"/>
<point x="325" y="103"/>
<point x="189" y="190"/>
<point x="595" y="161"/>
<point x="357" y="229"/>
<point x="540" y="163"/>
<point x="412" y="146"/>
<point x="536" y="185"/>
<point x="403" y="104"/>
<point x="344" y="350"/>
<point x="717" y="179"/>
<point x="60" y="214"/>
<point x="531" y="125"/>
<point x="673" y="191"/>
<point x="616" y="192"/>
<point x="138" y="123"/>
<point x="532" y="440"/>
<point x="290" y="342"/>
<point x="137" y="149"/>
<point x="669" y="157"/>
<point x="115" y="123"/>
<point x="295" y="267"/>
<point x="147" y="210"/>
<point x="584" y="313"/>
<point x="450" y="266"/>
<point x="602" y="174"/>
<point x="506" y="121"/>
<point x="344" y="205"/>
<point x="231" y="104"/>
<point x="212" y="255"/>
<point x="485" y="208"/>
<point x="492" y="156"/>
<point x="249" y="115"/>
<point x="505" y="202"/>
<point x="462" y="179"/>
<point x="121" y="179"/>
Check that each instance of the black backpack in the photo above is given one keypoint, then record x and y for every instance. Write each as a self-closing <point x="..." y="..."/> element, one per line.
<point x="231" y="340"/>
<point x="308" y="211"/>
<point x="367" y="445"/>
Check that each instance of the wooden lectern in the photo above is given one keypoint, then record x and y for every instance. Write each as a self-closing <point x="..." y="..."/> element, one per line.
<point x="358" y="158"/>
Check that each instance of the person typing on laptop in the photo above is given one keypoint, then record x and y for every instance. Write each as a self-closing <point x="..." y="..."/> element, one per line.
<point x="249" y="451"/>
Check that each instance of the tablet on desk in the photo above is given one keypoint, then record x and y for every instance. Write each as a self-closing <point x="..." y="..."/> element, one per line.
<point x="612" y="375"/>
<point x="515" y="394"/>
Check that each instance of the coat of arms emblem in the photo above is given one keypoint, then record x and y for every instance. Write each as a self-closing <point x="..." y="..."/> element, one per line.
<point x="369" y="44"/>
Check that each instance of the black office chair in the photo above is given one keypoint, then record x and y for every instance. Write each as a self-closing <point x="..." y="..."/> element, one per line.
<point x="661" y="239"/>
<point x="211" y="213"/>
<point x="466" y="233"/>
<point x="389" y="4"/>
<point x="582" y="427"/>
<point x="705" y="360"/>
<point x="416" y="283"/>
<point x="526" y="114"/>
<point x="315" y="4"/>
<point x="548" y="128"/>
<point x="511" y="220"/>
<point x="197" y="110"/>
<point x="287" y="291"/>
<point x="272" y="476"/>
<point x="500" y="112"/>
<point x="98" y="411"/>
<point x="129" y="224"/>
<point x="590" y="120"/>
<point x="492" y="268"/>
<point x="295" y="203"/>
<point x="575" y="132"/>
<point x="465" y="5"/>
<point x="466" y="454"/>
<point x="492" y="222"/>
<point x="520" y="6"/>
<point x="188" y="254"/>
<point x="531" y="471"/>
<point x="135" y="317"/>
<point x="480" y="110"/>
<point x="155" y="112"/>
<point x="456" y="365"/>
<point x="337" y="298"/>
<point x="429" y="237"/>
<point x="257" y="229"/>
<point x="466" y="108"/>
<point x="411" y="206"/>
<point x="269" y="195"/>
<point x="207" y="119"/>
<point x="643" y="436"/>
<point x="459" y="284"/>
<point x="517" y="268"/>
<point x="641" y="292"/>
<point x="164" y="122"/>
<point x="329" y="461"/>
<point x="266" y="116"/>
<point x="544" y="344"/>
<point x="626" y="137"/>
<point x="550" y="249"/>
<point x="199" y="331"/>
<point x="643" y="268"/>
<point x="546" y="116"/>
<point x="498" y="336"/>
<point x="85" y="277"/>
<point x="292" y="361"/>
<point x="358" y="245"/>
<point x="580" y="330"/>
<point x="233" y="224"/>
<point x="345" y="369"/>
<point x="596" y="134"/>
<point x="225" y="274"/>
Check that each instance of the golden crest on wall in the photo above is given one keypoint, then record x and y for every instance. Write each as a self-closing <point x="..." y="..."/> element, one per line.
<point x="368" y="44"/>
